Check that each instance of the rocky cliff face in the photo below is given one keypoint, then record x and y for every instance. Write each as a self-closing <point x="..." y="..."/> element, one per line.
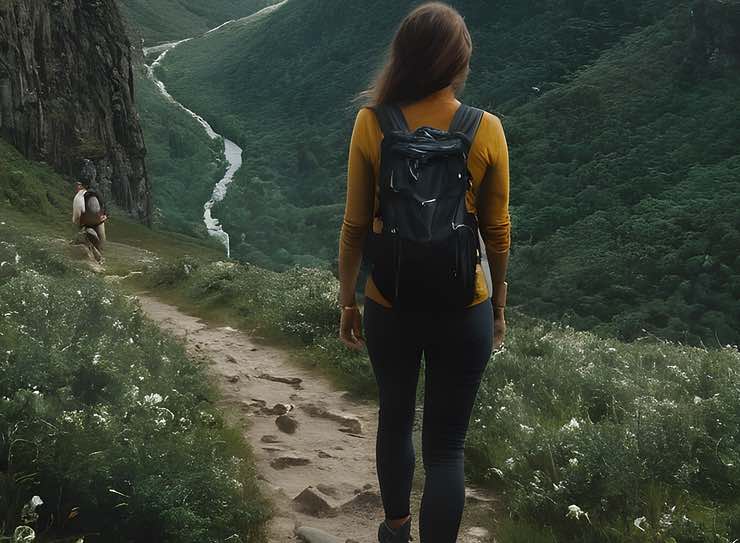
<point x="66" y="94"/>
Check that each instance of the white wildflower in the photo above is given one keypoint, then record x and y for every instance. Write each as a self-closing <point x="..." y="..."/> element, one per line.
<point x="573" y="425"/>
<point x="24" y="534"/>
<point x="497" y="472"/>
<point x="576" y="513"/>
<point x="96" y="359"/>
<point x="17" y="258"/>
<point x="526" y="429"/>
<point x="697" y="400"/>
<point x="639" y="522"/>
<point x="153" y="399"/>
<point x="573" y="462"/>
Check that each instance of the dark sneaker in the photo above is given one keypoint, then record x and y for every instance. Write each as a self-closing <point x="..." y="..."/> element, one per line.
<point x="400" y="535"/>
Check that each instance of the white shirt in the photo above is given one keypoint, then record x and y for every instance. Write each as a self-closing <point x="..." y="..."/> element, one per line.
<point x="78" y="206"/>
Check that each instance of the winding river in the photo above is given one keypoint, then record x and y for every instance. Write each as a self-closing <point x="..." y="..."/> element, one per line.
<point x="232" y="152"/>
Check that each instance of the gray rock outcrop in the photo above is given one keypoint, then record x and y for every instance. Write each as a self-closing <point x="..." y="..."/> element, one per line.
<point x="67" y="95"/>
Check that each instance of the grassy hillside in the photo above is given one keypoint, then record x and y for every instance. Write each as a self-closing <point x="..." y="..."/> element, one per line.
<point x="37" y="200"/>
<point x="169" y="20"/>
<point x="102" y="416"/>
<point x="620" y="119"/>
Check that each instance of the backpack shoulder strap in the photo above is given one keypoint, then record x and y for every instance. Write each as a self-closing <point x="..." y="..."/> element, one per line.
<point x="391" y="119"/>
<point x="466" y="121"/>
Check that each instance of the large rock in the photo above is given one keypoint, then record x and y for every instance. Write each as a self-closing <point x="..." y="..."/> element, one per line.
<point x="67" y="95"/>
<point x="367" y="501"/>
<point x="315" y="503"/>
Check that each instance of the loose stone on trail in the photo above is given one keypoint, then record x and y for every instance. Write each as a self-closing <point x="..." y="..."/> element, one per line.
<point x="278" y="409"/>
<point x="284" y="462"/>
<point x="328" y="490"/>
<point x="293" y="381"/>
<point x="231" y="359"/>
<point x="314" y="503"/>
<point x="287" y="424"/>
<point x="366" y="502"/>
<point x="350" y="422"/>
<point x="269" y="439"/>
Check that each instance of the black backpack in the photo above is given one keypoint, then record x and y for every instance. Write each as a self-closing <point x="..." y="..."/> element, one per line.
<point x="94" y="209"/>
<point x="428" y="252"/>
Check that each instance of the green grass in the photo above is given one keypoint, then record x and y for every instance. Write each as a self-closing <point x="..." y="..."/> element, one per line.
<point x="106" y="418"/>
<point x="623" y="431"/>
<point x="624" y="161"/>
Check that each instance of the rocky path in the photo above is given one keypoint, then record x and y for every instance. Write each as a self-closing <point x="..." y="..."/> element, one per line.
<point x="314" y="446"/>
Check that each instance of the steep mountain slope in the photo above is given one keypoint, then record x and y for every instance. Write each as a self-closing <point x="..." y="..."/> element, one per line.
<point x="620" y="119"/>
<point x="184" y="163"/>
<point x="165" y="20"/>
<point x="66" y="95"/>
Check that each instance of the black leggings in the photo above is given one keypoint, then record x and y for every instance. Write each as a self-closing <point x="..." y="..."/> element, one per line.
<point x="456" y="347"/>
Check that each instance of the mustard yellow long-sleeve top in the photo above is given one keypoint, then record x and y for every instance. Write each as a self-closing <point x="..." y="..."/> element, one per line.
<point x="488" y="198"/>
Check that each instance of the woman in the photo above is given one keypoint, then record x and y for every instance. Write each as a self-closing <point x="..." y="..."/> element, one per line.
<point x="427" y="66"/>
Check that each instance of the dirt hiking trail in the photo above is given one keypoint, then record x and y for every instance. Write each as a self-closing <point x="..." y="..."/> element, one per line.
<point x="314" y="446"/>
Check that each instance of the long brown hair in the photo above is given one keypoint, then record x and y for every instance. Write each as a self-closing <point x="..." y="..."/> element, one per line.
<point x="431" y="51"/>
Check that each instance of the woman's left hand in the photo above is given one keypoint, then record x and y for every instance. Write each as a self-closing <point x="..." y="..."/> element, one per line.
<point x="350" y="328"/>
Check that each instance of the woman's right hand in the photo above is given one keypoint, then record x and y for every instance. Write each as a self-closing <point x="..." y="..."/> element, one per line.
<point x="350" y="328"/>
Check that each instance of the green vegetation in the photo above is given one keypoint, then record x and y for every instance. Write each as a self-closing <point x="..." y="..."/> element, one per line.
<point x="564" y="418"/>
<point x="184" y="163"/>
<point x="106" y="419"/>
<point x="102" y="416"/>
<point x="621" y="121"/>
<point x="29" y="187"/>
<point x="169" y="20"/>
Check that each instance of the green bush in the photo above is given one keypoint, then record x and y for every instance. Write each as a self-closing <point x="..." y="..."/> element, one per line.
<point x="108" y="420"/>
<point x="622" y="431"/>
